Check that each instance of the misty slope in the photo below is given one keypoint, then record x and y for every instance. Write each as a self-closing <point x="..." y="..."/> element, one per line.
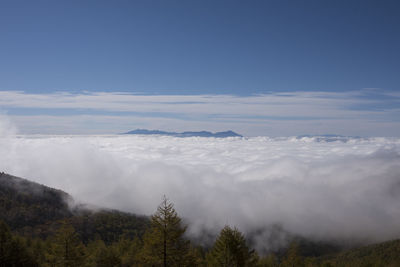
<point x="25" y="203"/>
<point x="37" y="210"/>
<point x="381" y="254"/>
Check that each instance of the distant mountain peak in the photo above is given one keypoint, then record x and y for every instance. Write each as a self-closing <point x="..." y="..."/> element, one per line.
<point x="224" y="134"/>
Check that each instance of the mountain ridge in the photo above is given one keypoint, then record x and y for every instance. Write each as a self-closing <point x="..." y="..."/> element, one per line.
<point x="36" y="210"/>
<point x="223" y="134"/>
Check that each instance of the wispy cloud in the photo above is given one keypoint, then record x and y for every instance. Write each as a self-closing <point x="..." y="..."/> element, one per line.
<point x="319" y="112"/>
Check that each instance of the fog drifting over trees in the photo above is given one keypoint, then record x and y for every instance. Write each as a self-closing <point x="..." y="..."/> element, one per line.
<point x="346" y="189"/>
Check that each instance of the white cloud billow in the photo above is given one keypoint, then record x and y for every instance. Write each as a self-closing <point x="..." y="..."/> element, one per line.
<point x="322" y="190"/>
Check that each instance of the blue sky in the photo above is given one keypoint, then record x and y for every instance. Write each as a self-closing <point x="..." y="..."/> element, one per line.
<point x="198" y="48"/>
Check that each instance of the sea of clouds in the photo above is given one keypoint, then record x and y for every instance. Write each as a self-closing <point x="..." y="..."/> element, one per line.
<point x="346" y="189"/>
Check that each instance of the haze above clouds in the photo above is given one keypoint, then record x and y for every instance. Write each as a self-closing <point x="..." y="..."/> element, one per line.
<point x="323" y="190"/>
<point x="367" y="112"/>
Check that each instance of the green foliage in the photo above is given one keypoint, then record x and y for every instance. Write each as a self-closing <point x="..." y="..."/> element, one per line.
<point x="38" y="211"/>
<point x="24" y="204"/>
<point x="68" y="250"/>
<point x="108" y="225"/>
<point x="268" y="261"/>
<point x="129" y="251"/>
<point x="108" y="257"/>
<point x="164" y="244"/>
<point x="13" y="250"/>
<point x="230" y="249"/>
<point x="93" y="249"/>
<point x="293" y="258"/>
<point x="46" y="232"/>
<point x="309" y="248"/>
<point x="382" y="254"/>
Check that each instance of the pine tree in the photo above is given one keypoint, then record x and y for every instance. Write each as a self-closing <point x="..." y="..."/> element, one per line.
<point x="5" y="240"/>
<point x="293" y="258"/>
<point x="268" y="261"/>
<point x="129" y="251"/>
<point x="68" y="249"/>
<point x="13" y="250"/>
<point x="230" y="250"/>
<point x="108" y="257"/>
<point x="163" y="243"/>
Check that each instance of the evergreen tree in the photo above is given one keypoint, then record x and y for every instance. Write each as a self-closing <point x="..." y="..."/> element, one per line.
<point x="293" y="258"/>
<point x="93" y="249"/>
<point x="230" y="250"/>
<point x="13" y="250"/>
<point x="163" y="243"/>
<point x="268" y="261"/>
<point x="108" y="257"/>
<point x="5" y="239"/>
<point x="129" y="251"/>
<point x="68" y="249"/>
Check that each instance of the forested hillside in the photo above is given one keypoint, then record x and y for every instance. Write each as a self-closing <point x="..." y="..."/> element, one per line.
<point x="28" y="204"/>
<point x="36" y="210"/>
<point x="382" y="254"/>
<point x="38" y="227"/>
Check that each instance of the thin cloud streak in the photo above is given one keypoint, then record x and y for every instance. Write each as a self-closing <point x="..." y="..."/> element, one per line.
<point x="90" y="124"/>
<point x="321" y="109"/>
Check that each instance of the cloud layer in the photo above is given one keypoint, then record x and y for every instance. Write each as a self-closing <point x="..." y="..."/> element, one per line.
<point x="368" y="112"/>
<point x="347" y="189"/>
